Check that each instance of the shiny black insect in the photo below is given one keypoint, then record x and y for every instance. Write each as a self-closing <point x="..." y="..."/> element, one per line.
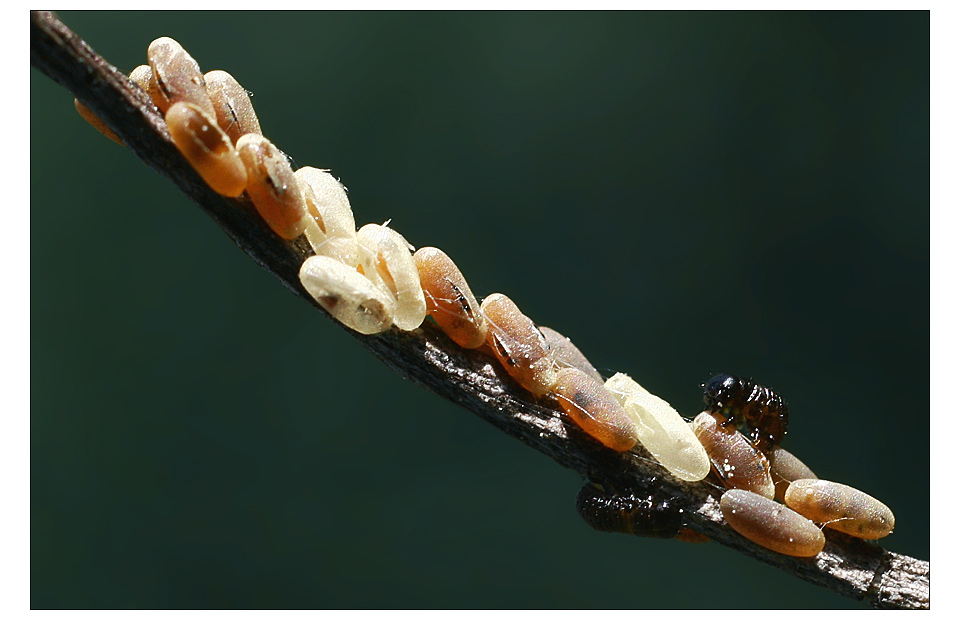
<point x="746" y="403"/>
<point x="640" y="514"/>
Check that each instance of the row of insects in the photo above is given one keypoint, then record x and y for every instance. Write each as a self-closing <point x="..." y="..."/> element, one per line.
<point x="371" y="279"/>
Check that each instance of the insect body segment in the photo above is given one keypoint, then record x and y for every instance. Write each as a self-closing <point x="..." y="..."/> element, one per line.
<point x="744" y="402"/>
<point x="272" y="186"/>
<point x="641" y="514"/>
<point x="594" y="409"/>
<point x="770" y="524"/>
<point x="566" y="354"/>
<point x="232" y="105"/>
<point x="351" y="298"/>
<point x="661" y="430"/>
<point x="333" y="231"/>
<point x="176" y="77"/>
<point x="394" y="264"/>
<point x="518" y="344"/>
<point x="141" y="76"/>
<point x="785" y="468"/>
<point x="738" y="463"/>
<point x="841" y="508"/>
<point x="449" y="299"/>
<point x="95" y="121"/>
<point x="208" y="149"/>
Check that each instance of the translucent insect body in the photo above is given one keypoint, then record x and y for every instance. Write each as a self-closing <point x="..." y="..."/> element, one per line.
<point x="351" y="298"/>
<point x="272" y="187"/>
<point x="840" y="507"/>
<point x="738" y="463"/>
<point x="393" y="263"/>
<point x="449" y="299"/>
<point x="594" y="409"/>
<point x="176" y="77"/>
<point x="566" y="354"/>
<point x="661" y="430"/>
<point x="232" y="105"/>
<point x="518" y="344"/>
<point x="770" y="524"/>
<point x="208" y="149"/>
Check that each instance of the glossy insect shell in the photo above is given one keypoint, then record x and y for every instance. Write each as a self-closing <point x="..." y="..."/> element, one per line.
<point x="770" y="524"/>
<point x="272" y="186"/>
<point x="351" y="298"/>
<point x="594" y="409"/>
<point x="661" y="430"/>
<point x="334" y="231"/>
<point x="449" y="299"/>
<point x="785" y="468"/>
<point x="208" y="150"/>
<point x="639" y="514"/>
<point x="750" y="404"/>
<point x="738" y="463"/>
<point x="141" y="76"/>
<point x="232" y="105"/>
<point x="840" y="507"/>
<point x="95" y="122"/>
<point x="566" y="354"/>
<point x="176" y="77"/>
<point x="397" y="271"/>
<point x="518" y="344"/>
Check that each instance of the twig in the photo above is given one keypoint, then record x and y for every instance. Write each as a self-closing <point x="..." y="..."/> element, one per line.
<point x="848" y="566"/>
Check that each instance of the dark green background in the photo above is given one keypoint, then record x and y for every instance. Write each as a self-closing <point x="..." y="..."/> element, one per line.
<point x="680" y="193"/>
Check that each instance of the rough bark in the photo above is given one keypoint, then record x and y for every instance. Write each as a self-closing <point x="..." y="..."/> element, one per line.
<point x="847" y="565"/>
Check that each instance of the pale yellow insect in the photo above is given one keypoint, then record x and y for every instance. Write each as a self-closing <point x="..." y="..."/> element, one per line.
<point x="393" y="263"/>
<point x="142" y="76"/>
<point x="331" y="229"/>
<point x="661" y="430"/>
<point x="351" y="298"/>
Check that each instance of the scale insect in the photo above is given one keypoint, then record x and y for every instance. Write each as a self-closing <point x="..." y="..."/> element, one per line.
<point x="736" y="461"/>
<point x="840" y="507"/>
<point x="770" y="524"/>
<point x="449" y="299"/>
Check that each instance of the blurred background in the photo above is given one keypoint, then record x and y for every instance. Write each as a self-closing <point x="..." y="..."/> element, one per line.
<point x="680" y="193"/>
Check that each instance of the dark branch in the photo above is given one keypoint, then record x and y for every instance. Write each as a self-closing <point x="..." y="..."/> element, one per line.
<point x="847" y="565"/>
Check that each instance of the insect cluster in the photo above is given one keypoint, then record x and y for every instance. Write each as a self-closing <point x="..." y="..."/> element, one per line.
<point x="372" y="279"/>
<point x="758" y="472"/>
